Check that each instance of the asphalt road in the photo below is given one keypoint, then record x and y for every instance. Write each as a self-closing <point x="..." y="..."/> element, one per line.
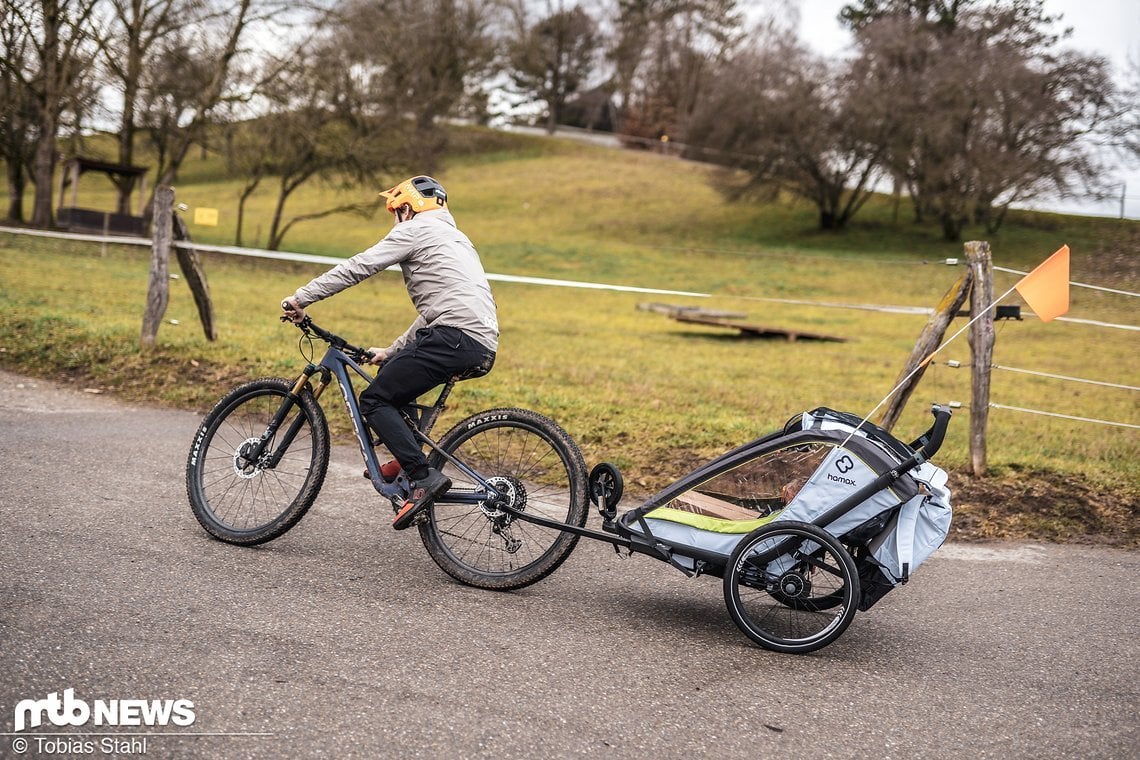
<point x="342" y="638"/>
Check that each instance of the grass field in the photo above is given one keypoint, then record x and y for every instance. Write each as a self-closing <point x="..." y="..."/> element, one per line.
<point x="630" y="386"/>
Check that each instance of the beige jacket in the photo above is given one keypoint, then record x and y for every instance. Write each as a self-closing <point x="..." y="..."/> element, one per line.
<point x="442" y="272"/>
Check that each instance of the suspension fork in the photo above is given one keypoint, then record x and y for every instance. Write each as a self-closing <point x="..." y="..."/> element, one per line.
<point x="292" y="399"/>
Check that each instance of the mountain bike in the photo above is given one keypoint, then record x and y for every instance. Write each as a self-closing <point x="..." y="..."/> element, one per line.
<point x="260" y="456"/>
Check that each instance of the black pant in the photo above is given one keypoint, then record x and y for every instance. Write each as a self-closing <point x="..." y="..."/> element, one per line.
<point x="430" y="359"/>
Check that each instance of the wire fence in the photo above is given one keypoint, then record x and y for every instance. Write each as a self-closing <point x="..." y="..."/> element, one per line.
<point x="549" y="282"/>
<point x="953" y="364"/>
<point x="498" y="277"/>
<point x="1076" y="284"/>
<point x="1070" y="417"/>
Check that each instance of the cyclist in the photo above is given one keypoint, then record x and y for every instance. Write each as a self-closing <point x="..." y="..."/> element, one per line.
<point x="456" y="332"/>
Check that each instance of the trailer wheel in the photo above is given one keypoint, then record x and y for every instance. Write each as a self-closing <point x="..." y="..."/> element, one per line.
<point x="791" y="587"/>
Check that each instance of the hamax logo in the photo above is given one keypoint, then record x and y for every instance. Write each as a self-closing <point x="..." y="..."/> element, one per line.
<point x="70" y="711"/>
<point x="843" y="464"/>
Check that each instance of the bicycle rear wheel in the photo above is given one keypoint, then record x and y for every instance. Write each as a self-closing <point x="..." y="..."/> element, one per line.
<point x="244" y="501"/>
<point x="791" y="587"/>
<point x="538" y="468"/>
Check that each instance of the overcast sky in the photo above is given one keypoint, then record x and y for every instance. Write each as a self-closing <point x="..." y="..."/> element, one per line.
<point x="1107" y="27"/>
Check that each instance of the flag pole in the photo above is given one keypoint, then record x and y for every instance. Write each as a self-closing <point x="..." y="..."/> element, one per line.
<point x="1048" y="297"/>
<point x="926" y="360"/>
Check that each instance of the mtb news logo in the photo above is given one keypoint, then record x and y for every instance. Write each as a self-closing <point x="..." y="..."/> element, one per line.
<point x="69" y="711"/>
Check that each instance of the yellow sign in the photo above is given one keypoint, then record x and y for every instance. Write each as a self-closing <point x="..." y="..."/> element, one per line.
<point x="207" y="217"/>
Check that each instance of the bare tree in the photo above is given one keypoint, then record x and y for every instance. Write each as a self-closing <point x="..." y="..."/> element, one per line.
<point x="17" y="116"/>
<point x="319" y="127"/>
<point x="423" y="60"/>
<point x="60" y="36"/>
<point x="664" y="52"/>
<point x="188" y="80"/>
<point x="942" y="14"/>
<point x="249" y="157"/>
<point x="794" y="123"/>
<point x="551" y="58"/>
<point x="138" y="28"/>
<point x="1035" y="134"/>
<point x="1126" y="139"/>
<point x="167" y="113"/>
<point x="988" y="112"/>
<point x="347" y="107"/>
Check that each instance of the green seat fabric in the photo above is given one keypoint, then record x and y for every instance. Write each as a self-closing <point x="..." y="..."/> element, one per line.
<point x="713" y="524"/>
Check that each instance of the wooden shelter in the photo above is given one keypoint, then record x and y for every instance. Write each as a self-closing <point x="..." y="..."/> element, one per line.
<point x="72" y="217"/>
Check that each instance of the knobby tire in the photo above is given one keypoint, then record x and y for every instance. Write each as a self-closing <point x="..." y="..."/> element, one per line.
<point x="252" y="504"/>
<point x="533" y="459"/>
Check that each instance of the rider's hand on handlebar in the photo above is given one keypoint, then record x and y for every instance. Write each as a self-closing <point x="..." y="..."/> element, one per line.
<point x="379" y="355"/>
<point x="292" y="311"/>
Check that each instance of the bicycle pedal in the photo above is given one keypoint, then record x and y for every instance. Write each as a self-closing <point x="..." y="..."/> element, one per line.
<point x="403" y="522"/>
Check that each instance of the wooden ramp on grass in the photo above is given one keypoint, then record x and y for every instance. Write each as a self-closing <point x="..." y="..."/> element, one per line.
<point x="753" y="331"/>
<point x="698" y="316"/>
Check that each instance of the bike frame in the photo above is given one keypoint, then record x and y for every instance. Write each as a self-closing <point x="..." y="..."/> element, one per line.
<point x="336" y="363"/>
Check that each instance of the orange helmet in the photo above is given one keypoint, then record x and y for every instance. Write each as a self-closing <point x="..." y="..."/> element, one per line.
<point x="419" y="193"/>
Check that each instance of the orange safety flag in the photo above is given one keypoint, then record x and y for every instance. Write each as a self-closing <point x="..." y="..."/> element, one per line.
<point x="1046" y="288"/>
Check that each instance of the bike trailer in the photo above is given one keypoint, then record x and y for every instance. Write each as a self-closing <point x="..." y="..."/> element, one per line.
<point x="799" y="474"/>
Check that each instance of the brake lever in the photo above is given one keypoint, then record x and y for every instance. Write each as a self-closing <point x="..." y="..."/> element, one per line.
<point x="303" y="324"/>
<point x="290" y="312"/>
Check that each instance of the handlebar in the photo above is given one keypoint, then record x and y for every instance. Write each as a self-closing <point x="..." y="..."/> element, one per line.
<point x="308" y="327"/>
<point x="931" y="440"/>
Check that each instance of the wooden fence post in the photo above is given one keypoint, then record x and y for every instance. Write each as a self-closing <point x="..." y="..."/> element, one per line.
<point x="981" y="338"/>
<point x="195" y="277"/>
<point x="158" y="288"/>
<point x="928" y="341"/>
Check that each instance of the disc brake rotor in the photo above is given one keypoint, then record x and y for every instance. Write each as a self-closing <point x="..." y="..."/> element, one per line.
<point x="243" y="467"/>
<point x="512" y="494"/>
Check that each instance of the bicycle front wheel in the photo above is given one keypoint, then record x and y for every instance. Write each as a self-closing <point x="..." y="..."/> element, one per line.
<point x="245" y="499"/>
<point x="538" y="468"/>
